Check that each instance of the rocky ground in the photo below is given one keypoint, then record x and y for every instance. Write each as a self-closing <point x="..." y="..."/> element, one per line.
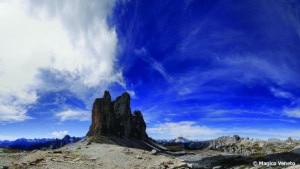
<point x="7" y="159"/>
<point x="220" y="160"/>
<point x="9" y="156"/>
<point x="95" y="155"/>
<point x="84" y="155"/>
<point x="235" y="152"/>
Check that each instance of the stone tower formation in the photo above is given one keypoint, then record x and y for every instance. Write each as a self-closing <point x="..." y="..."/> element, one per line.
<point x="114" y="118"/>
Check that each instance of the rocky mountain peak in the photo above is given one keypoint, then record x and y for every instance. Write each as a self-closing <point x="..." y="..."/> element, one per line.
<point x="106" y="95"/>
<point x="114" y="118"/>
<point x="181" y="140"/>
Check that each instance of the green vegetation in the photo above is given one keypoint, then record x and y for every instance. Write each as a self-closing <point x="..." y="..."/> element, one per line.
<point x="174" y="148"/>
<point x="75" y="152"/>
<point x="257" y="148"/>
<point x="271" y="147"/>
<point x="9" y="150"/>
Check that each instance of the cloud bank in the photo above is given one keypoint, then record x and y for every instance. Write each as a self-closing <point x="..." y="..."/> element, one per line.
<point x="48" y="46"/>
<point x="188" y="129"/>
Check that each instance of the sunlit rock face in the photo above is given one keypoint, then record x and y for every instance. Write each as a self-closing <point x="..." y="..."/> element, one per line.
<point x="115" y="118"/>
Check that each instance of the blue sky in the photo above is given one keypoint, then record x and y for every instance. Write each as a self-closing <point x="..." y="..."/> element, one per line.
<point x="198" y="69"/>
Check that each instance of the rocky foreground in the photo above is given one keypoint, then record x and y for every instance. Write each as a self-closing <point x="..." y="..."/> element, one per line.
<point x="84" y="154"/>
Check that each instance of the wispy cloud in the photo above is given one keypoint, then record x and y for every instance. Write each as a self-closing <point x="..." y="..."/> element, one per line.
<point x="59" y="134"/>
<point x="74" y="115"/>
<point x="143" y="53"/>
<point x="131" y="93"/>
<point x="280" y="93"/>
<point x="292" y="112"/>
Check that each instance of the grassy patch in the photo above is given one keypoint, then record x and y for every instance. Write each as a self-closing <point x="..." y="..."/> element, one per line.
<point x="257" y="148"/>
<point x="9" y="150"/>
<point x="175" y="148"/>
<point x="258" y="155"/>
<point x="75" y="152"/>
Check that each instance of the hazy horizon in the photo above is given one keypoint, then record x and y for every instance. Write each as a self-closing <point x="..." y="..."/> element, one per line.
<point x="196" y="69"/>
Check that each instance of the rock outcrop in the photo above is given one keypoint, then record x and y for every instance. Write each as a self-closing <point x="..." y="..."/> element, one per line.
<point x="114" y="118"/>
<point x="223" y="141"/>
<point x="251" y="147"/>
<point x="138" y="126"/>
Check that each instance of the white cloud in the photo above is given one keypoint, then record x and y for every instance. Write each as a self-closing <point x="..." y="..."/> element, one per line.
<point x="184" y="128"/>
<point x="60" y="133"/>
<point x="13" y="105"/>
<point x="280" y="93"/>
<point x="131" y="93"/>
<point x="71" y="39"/>
<point x="90" y="51"/>
<point x="74" y="115"/>
<point x="293" y="112"/>
<point x="7" y="138"/>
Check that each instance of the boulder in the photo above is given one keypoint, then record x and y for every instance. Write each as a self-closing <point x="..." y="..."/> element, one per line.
<point x="153" y="152"/>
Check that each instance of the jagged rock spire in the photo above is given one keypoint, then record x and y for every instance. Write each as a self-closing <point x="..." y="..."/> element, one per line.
<point x="115" y="118"/>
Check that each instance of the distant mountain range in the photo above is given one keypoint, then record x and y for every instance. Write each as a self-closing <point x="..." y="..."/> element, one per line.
<point x="184" y="143"/>
<point x="177" y="140"/>
<point x="43" y="143"/>
<point x="235" y="145"/>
